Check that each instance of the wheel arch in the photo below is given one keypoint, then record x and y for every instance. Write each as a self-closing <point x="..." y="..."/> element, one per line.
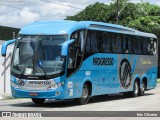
<point x="137" y="78"/>
<point x="87" y="81"/>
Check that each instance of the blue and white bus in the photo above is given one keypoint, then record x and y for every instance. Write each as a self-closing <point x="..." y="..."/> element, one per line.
<point x="76" y="60"/>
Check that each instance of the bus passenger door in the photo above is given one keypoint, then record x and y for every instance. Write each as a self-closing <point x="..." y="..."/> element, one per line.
<point x="74" y="73"/>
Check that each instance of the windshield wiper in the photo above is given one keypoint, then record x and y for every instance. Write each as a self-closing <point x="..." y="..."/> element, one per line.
<point x="35" y="55"/>
<point x="41" y="69"/>
<point x="22" y="73"/>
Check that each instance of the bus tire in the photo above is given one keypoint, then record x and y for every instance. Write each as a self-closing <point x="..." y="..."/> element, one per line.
<point x="143" y="88"/>
<point x="38" y="100"/>
<point x="136" y="89"/>
<point x="85" y="95"/>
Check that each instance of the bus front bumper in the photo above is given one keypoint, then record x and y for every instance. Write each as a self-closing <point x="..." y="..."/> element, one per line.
<point x="48" y="94"/>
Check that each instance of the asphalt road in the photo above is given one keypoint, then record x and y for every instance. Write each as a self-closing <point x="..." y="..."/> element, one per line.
<point x="115" y="102"/>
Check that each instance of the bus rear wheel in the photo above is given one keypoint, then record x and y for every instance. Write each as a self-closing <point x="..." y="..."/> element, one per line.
<point x="38" y="100"/>
<point x="143" y="88"/>
<point x="135" y="92"/>
<point x="136" y="89"/>
<point x="85" y="95"/>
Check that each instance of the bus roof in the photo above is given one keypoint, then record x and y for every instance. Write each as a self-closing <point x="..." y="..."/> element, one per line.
<point x="51" y="27"/>
<point x="67" y="27"/>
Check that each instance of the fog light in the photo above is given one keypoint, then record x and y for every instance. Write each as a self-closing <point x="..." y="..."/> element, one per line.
<point x="14" y="85"/>
<point x="57" y="93"/>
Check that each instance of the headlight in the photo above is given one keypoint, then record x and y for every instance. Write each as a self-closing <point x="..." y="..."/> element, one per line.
<point x="52" y="87"/>
<point x="14" y="85"/>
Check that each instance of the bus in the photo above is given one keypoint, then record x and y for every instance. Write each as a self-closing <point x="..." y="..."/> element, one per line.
<point x="77" y="60"/>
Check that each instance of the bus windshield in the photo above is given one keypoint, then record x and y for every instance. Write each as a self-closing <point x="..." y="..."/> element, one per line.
<point x="37" y="55"/>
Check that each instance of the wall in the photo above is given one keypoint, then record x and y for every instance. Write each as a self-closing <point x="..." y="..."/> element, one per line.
<point x="7" y="91"/>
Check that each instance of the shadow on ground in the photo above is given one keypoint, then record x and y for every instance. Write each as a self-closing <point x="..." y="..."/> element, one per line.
<point x="70" y="103"/>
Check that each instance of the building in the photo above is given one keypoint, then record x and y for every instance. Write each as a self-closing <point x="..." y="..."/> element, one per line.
<point x="7" y="33"/>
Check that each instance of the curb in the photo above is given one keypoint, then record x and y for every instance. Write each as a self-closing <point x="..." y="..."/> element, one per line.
<point x="5" y="97"/>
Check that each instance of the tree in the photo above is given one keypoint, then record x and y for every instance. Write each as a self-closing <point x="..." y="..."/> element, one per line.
<point x="95" y="12"/>
<point x="107" y="13"/>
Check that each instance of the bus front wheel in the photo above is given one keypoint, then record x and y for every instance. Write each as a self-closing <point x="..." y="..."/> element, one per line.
<point x="85" y="95"/>
<point x="38" y="100"/>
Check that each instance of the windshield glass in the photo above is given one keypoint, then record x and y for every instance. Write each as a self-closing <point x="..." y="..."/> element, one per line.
<point x="38" y="55"/>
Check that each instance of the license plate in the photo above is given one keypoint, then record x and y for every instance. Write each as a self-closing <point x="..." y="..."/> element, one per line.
<point x="33" y="94"/>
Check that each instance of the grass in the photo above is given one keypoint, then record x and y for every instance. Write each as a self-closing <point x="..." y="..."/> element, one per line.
<point x="158" y="80"/>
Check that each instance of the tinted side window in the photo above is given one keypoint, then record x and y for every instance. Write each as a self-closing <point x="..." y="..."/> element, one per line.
<point x="152" y="46"/>
<point x="88" y="42"/>
<point x="141" y="42"/>
<point x="114" y="47"/>
<point x="138" y="43"/>
<point x="135" y="46"/>
<point x="125" y="44"/>
<point x="145" y="46"/>
<point x="107" y="42"/>
<point x="130" y="45"/>
<point x="118" y="44"/>
<point x="92" y="42"/>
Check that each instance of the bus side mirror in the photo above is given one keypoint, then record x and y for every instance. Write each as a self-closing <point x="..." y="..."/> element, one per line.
<point x="65" y="45"/>
<point x="5" y="45"/>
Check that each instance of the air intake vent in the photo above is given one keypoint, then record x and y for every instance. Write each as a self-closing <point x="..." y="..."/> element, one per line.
<point x="111" y="28"/>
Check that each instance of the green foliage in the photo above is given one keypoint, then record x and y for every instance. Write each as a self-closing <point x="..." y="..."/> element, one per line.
<point x="6" y="33"/>
<point x="95" y="12"/>
<point x="141" y="16"/>
<point x="148" y="24"/>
